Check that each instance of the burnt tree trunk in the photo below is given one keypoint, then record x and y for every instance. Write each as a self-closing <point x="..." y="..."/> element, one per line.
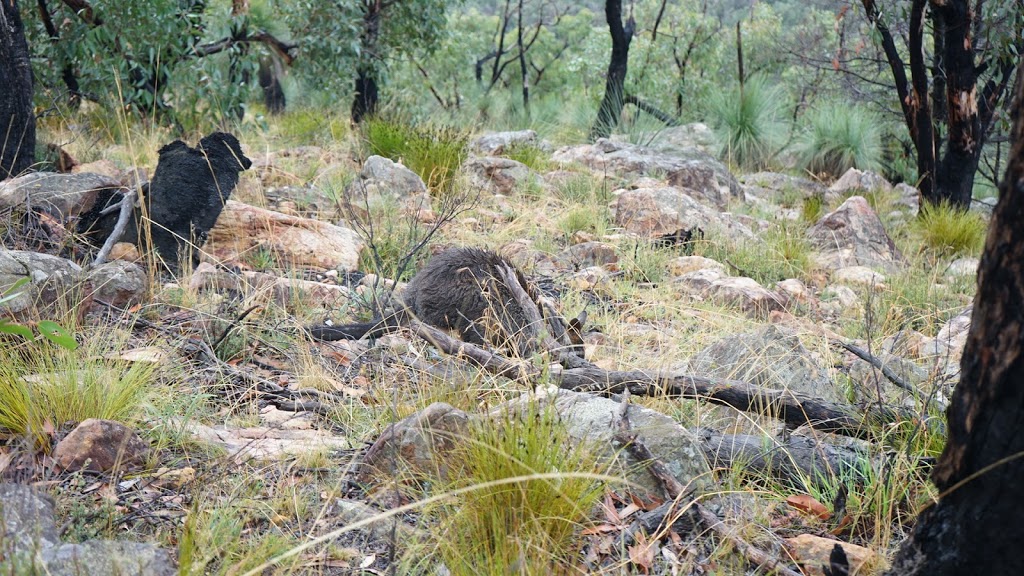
<point x="270" y="73"/>
<point x="954" y="173"/>
<point x="17" y="118"/>
<point x="367" y="94"/>
<point x="614" y="91"/>
<point x="975" y="527"/>
<point x="946" y="164"/>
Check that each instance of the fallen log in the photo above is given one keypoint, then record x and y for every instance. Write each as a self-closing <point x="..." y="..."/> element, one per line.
<point x="800" y="460"/>
<point x="792" y="408"/>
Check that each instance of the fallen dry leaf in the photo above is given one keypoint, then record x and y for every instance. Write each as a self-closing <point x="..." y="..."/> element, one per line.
<point x="807" y="503"/>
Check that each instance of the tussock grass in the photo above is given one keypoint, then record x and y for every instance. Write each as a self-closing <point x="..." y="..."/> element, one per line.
<point x="43" y="385"/>
<point x="948" y="231"/>
<point x="435" y="153"/>
<point x="527" y="527"/>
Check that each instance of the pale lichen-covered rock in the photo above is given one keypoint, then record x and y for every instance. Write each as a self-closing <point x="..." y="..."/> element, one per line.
<point x="286" y="292"/>
<point x="596" y="420"/>
<point x="856" y="181"/>
<point x="497" y="143"/>
<point x="63" y="195"/>
<point x="384" y="184"/>
<point x="294" y="240"/>
<point x="659" y="211"/>
<point x="743" y="293"/>
<point x="420" y="443"/>
<point x="31" y="543"/>
<point x="119" y="282"/>
<point x="853" y="235"/>
<point x="49" y="277"/>
<point x="686" y="264"/>
<point x="633" y="161"/>
<point x="500" y="175"/>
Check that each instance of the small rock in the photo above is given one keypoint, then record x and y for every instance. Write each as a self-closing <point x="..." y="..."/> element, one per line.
<point x="590" y="278"/>
<point x="794" y="290"/>
<point x="383" y="184"/>
<point x="500" y="175"/>
<point x="744" y="293"/>
<point x="654" y="212"/>
<point x="298" y="241"/>
<point x="596" y="420"/>
<point x="686" y="264"/>
<point x="859" y="275"/>
<point x="813" y="553"/>
<point x="967" y="266"/>
<point x="100" y="446"/>
<point x="497" y="143"/>
<point x="589" y="254"/>
<point x="909" y="200"/>
<point x="421" y="442"/>
<point x="63" y="195"/>
<point x="29" y="534"/>
<point x="633" y="161"/>
<point x="49" y="276"/>
<point x="119" y="282"/>
<point x="854" y="181"/>
<point x="846" y="297"/>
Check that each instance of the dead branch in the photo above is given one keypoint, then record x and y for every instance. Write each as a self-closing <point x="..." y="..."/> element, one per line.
<point x="792" y="408"/>
<point x="677" y="493"/>
<point x="127" y="207"/>
<point x="799" y="460"/>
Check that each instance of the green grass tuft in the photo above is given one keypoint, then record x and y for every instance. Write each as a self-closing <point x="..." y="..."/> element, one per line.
<point x="524" y="528"/>
<point x="434" y="153"/>
<point x="949" y="231"/>
<point x="45" y="385"/>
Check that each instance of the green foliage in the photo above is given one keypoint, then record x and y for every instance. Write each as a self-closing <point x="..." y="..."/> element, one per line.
<point x="434" y="153"/>
<point x="782" y="253"/>
<point x="48" y="329"/>
<point x="749" y="122"/>
<point x="527" y="527"/>
<point x="840" y="136"/>
<point x="532" y="156"/>
<point x="949" y="231"/>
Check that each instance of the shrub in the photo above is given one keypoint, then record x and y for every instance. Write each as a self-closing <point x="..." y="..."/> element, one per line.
<point x="434" y="153"/>
<point x="749" y="123"/>
<point x="839" y="137"/>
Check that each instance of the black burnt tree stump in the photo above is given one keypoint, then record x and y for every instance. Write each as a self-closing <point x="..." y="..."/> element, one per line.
<point x="977" y="526"/>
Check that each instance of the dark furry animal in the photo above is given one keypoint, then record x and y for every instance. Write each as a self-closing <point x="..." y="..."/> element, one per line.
<point x="460" y="289"/>
<point x="186" y="195"/>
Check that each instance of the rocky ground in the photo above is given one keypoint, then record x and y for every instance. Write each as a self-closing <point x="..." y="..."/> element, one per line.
<point x="774" y="294"/>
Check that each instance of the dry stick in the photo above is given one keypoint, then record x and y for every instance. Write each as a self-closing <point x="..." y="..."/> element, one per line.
<point x="792" y="408"/>
<point x="535" y="320"/>
<point x="127" y="204"/>
<point x="886" y="371"/>
<point x="676" y="491"/>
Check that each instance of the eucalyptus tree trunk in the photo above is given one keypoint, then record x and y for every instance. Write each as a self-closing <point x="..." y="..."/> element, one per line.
<point x="975" y="527"/>
<point x="17" y="118"/>
<point x="614" y="91"/>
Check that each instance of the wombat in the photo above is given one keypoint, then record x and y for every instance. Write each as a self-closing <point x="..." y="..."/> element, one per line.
<point x="461" y="289"/>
